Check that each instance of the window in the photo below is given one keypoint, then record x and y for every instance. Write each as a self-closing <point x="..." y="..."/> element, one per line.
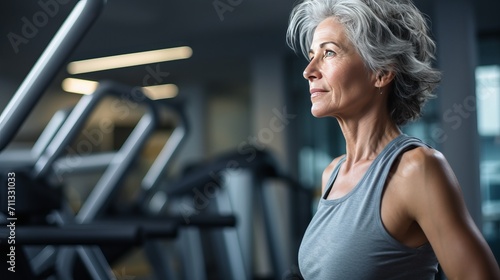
<point x="488" y="123"/>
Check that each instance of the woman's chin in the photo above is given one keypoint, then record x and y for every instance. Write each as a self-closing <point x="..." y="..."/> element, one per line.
<point x="317" y="113"/>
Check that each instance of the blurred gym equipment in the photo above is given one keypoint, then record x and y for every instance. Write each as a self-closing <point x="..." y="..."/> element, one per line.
<point x="198" y="210"/>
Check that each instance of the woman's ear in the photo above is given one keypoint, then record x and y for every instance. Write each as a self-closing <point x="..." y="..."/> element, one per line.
<point x="384" y="77"/>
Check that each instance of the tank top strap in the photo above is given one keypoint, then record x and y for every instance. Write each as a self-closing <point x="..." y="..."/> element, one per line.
<point x="329" y="184"/>
<point x="394" y="149"/>
<point x="385" y="161"/>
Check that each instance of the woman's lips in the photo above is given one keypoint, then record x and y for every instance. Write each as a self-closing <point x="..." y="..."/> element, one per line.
<point x="315" y="92"/>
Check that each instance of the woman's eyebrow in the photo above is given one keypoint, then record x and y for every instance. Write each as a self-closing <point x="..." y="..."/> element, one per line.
<point x="323" y="44"/>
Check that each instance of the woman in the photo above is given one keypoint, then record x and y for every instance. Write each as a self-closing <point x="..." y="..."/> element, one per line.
<point x="391" y="206"/>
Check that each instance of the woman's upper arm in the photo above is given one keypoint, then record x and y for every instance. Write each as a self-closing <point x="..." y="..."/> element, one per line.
<point x="437" y="204"/>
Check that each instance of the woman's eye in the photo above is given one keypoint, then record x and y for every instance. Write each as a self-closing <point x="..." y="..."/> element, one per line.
<point x="329" y="53"/>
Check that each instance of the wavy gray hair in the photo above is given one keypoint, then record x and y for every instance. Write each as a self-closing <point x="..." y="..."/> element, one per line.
<point x="390" y="35"/>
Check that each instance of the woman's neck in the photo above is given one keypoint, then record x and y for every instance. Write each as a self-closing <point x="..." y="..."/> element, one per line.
<point x="366" y="138"/>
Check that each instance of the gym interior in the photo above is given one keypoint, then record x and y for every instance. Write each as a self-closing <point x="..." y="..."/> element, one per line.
<point x="165" y="139"/>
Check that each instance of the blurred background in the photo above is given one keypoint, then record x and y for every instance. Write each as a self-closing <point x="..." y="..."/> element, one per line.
<point x="240" y="84"/>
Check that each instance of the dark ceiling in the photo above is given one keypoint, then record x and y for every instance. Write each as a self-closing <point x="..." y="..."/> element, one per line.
<point x="223" y="43"/>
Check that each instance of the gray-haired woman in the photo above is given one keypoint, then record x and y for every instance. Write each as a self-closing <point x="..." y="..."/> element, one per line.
<point x="391" y="206"/>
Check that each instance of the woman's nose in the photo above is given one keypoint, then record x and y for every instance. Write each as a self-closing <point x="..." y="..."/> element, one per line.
<point x="311" y="71"/>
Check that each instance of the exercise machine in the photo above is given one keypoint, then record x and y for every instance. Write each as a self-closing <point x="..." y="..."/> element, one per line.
<point x="66" y="236"/>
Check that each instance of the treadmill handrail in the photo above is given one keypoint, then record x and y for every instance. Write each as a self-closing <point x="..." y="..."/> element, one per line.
<point x="80" y="114"/>
<point x="47" y="66"/>
<point x="158" y="168"/>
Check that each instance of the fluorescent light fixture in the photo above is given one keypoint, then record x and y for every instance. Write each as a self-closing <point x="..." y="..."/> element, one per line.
<point x="161" y="91"/>
<point x="88" y="87"/>
<point x="128" y="60"/>
<point x="79" y="86"/>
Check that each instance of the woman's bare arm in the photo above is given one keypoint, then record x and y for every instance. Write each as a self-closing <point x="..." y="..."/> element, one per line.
<point x="435" y="202"/>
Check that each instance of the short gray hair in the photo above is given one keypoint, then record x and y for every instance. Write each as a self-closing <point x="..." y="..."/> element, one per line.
<point x="390" y="35"/>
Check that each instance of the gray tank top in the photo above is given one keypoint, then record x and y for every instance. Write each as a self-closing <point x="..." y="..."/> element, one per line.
<point x="346" y="238"/>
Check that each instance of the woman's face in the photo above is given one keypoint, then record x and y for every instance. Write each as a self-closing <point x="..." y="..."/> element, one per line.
<point x="340" y="84"/>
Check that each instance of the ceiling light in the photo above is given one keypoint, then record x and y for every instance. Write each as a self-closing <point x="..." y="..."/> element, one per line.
<point x="156" y="92"/>
<point x="128" y="60"/>
<point x="161" y="91"/>
<point x="79" y="86"/>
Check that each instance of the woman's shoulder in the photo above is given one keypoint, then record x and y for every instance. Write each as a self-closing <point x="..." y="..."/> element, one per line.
<point x="423" y="171"/>
<point x="329" y="169"/>
<point x="421" y="159"/>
